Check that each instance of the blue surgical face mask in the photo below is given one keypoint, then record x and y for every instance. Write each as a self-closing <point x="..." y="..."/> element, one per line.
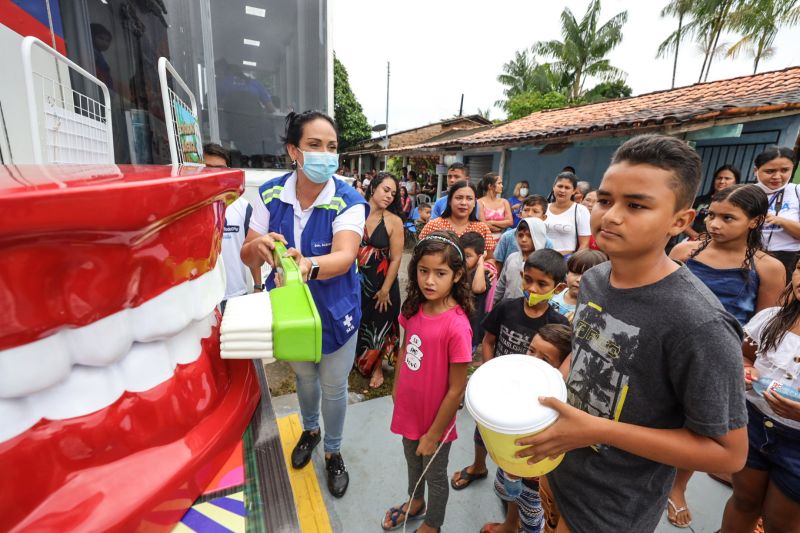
<point x="320" y="166"/>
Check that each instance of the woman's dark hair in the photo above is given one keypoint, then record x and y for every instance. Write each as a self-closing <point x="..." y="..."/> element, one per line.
<point x="560" y="336"/>
<point x="781" y="322"/>
<point x="737" y="177"/>
<point x="583" y="260"/>
<point x="448" y="212"/>
<point x="773" y="152"/>
<point x="474" y="240"/>
<point x="567" y="176"/>
<point x="295" y="122"/>
<point x="404" y="190"/>
<point x="394" y="207"/>
<point x="446" y="244"/>
<point x="753" y="201"/>
<point x="488" y="181"/>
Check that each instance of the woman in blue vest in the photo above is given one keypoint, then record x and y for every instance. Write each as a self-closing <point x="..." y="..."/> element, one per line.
<point x="321" y="220"/>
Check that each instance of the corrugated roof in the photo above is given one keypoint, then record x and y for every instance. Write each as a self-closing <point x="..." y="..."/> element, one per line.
<point x="768" y="92"/>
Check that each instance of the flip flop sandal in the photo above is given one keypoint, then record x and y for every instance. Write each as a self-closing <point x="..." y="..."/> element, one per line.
<point x="467" y="479"/>
<point x="397" y="516"/>
<point x="677" y="510"/>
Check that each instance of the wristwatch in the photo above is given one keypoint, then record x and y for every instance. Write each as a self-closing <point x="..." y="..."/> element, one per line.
<point x="314" y="272"/>
<point x="258" y="287"/>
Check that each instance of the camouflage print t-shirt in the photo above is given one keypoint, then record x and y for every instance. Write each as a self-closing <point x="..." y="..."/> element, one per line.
<point x="666" y="355"/>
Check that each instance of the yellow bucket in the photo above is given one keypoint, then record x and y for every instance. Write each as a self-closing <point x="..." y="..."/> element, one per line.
<point x="503" y="398"/>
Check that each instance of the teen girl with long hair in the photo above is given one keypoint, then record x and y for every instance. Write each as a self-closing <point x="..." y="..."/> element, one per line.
<point x="729" y="260"/>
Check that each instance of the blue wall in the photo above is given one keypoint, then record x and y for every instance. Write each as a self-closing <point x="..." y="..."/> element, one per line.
<point x="591" y="158"/>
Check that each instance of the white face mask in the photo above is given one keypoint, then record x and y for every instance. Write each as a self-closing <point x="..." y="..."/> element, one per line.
<point x="523" y="191"/>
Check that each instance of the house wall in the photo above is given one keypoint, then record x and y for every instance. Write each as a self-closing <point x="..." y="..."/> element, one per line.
<point x="591" y="158"/>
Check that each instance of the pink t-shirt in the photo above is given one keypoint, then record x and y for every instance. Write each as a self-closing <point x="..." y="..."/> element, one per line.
<point x="433" y="342"/>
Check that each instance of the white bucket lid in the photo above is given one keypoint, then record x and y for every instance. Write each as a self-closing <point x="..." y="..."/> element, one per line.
<point x="503" y="394"/>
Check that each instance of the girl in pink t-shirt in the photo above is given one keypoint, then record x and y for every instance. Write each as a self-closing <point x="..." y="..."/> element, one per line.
<point x="431" y="374"/>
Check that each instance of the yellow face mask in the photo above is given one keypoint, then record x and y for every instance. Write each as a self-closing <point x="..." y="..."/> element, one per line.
<point x="532" y="298"/>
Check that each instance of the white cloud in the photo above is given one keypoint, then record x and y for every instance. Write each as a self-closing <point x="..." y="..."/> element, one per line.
<point x="440" y="49"/>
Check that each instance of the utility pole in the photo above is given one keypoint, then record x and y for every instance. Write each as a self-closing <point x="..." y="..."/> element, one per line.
<point x="386" y="131"/>
<point x="461" y="107"/>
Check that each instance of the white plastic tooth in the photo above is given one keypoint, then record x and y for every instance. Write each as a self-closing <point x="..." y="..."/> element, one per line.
<point x="103" y="342"/>
<point x="16" y="416"/>
<point x="185" y="347"/>
<point x="86" y="390"/>
<point x="34" y="366"/>
<point x="162" y="316"/>
<point x="146" y="365"/>
<point x="208" y="290"/>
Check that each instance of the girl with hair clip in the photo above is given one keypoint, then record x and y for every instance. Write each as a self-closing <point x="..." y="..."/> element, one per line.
<point x="729" y="261"/>
<point x="432" y="375"/>
<point x="495" y="211"/>
<point x="769" y="484"/>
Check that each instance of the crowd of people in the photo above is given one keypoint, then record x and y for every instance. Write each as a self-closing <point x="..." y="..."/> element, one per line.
<point x="665" y="330"/>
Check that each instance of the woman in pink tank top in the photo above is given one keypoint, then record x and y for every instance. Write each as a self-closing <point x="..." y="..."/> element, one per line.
<point x="494" y="210"/>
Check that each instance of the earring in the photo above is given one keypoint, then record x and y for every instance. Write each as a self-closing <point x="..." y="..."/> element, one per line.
<point x="294" y="164"/>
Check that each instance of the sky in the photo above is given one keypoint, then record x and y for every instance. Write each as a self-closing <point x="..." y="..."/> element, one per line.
<point x="439" y="49"/>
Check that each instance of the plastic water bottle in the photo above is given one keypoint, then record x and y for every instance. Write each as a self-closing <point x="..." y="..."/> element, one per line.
<point x="762" y="384"/>
<point x="513" y="486"/>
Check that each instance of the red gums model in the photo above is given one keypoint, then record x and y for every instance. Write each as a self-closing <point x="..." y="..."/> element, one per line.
<point x="80" y="243"/>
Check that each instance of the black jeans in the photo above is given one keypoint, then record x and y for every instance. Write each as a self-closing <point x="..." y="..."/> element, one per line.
<point x="435" y="477"/>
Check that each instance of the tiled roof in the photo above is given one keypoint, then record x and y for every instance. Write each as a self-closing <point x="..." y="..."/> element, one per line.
<point x="768" y="92"/>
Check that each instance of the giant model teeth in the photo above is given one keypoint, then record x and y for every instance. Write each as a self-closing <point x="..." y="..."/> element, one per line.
<point x="35" y="366"/>
<point x="78" y="371"/>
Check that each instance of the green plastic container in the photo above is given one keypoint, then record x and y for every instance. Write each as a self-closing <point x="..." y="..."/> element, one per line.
<point x="296" y="326"/>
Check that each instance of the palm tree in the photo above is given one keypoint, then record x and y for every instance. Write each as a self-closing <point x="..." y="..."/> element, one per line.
<point x="711" y="18"/>
<point x="759" y="21"/>
<point x="584" y="47"/>
<point x="523" y="74"/>
<point x="679" y="8"/>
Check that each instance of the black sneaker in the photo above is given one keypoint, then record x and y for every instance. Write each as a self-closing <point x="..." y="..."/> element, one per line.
<point x="301" y="454"/>
<point x="338" y="479"/>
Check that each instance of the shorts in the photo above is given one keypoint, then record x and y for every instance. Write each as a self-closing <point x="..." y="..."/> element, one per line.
<point x="531" y="516"/>
<point x="776" y="448"/>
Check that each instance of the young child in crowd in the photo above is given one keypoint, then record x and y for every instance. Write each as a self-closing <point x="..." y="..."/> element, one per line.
<point x="432" y="377"/>
<point x="551" y="344"/>
<point x="729" y="261"/>
<point x="533" y="206"/>
<point x="479" y="278"/>
<point x="578" y="263"/>
<point x="424" y="212"/>
<point x="656" y="376"/>
<point x="531" y="234"/>
<point x="510" y="327"/>
<point x="769" y="484"/>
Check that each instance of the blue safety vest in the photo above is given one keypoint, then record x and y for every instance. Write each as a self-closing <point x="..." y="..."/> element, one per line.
<point x="338" y="299"/>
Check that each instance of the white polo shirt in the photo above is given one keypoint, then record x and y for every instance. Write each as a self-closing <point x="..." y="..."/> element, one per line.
<point x="350" y="220"/>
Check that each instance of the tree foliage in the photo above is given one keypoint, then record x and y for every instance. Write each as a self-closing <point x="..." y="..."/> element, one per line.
<point x="755" y="21"/>
<point x="607" y="90"/>
<point x="523" y="74"/>
<point x="583" y="49"/>
<point x="524" y="104"/>
<point x="347" y="112"/>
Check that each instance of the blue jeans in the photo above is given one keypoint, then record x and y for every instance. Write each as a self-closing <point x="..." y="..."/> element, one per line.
<point x="328" y="380"/>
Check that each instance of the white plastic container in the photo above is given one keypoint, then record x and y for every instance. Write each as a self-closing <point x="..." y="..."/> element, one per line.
<point x="503" y="398"/>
